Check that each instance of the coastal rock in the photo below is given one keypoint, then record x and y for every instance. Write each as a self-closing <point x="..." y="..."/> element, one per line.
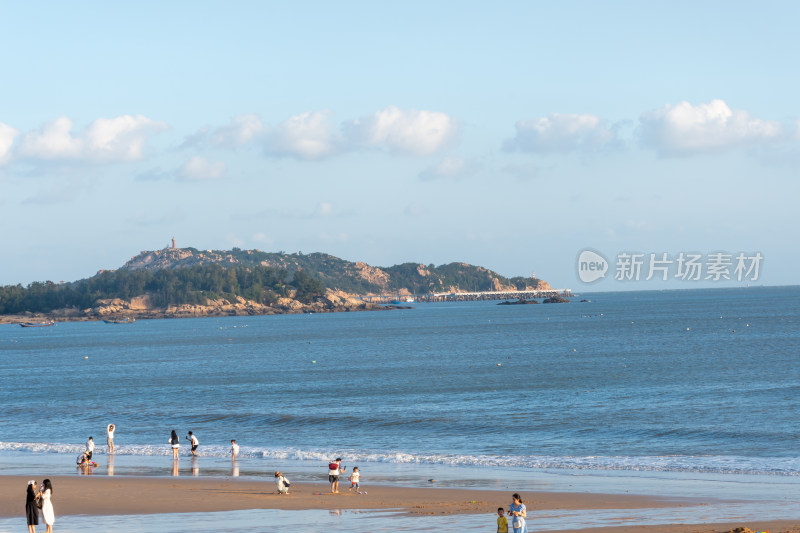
<point x="555" y="300"/>
<point x="339" y="299"/>
<point x="288" y="304"/>
<point x="521" y="301"/>
<point x="372" y="274"/>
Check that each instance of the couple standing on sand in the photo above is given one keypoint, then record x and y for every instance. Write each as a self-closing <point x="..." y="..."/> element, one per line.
<point x="34" y="501"/>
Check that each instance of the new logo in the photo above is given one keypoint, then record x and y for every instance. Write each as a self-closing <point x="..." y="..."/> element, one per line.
<point x="591" y="266"/>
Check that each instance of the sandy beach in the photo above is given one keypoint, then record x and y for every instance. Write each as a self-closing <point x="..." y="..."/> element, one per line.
<point x="139" y="496"/>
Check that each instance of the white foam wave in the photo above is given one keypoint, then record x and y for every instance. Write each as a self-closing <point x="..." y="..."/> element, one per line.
<point x="783" y="466"/>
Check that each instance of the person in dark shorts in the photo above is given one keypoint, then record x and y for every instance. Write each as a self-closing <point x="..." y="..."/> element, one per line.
<point x="334" y="469"/>
<point x="195" y="443"/>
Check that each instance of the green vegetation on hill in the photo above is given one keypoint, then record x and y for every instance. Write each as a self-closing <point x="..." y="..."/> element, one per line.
<point x="191" y="285"/>
<point x="191" y="276"/>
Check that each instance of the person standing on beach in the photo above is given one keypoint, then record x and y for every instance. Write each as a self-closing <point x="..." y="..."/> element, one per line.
<point x="502" y="521"/>
<point x="47" y="505"/>
<point x="334" y="470"/>
<point x="195" y="443"/>
<point x="31" y="509"/>
<point x="355" y="481"/>
<point x="110" y="437"/>
<point x="234" y="449"/>
<point x="518" y="511"/>
<point x="89" y="448"/>
<point x="176" y="444"/>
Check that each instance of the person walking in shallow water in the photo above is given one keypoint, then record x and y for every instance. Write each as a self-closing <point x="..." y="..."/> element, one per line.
<point x="110" y="437"/>
<point x="191" y="437"/>
<point x="89" y="448"/>
<point x="176" y="444"/>
<point x="31" y="509"/>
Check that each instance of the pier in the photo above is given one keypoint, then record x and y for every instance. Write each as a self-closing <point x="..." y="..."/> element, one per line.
<point x="468" y="296"/>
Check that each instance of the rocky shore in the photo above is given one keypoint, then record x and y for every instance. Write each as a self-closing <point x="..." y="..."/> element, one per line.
<point x="141" y="308"/>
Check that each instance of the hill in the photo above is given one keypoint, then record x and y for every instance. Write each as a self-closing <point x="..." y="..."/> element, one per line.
<point x="342" y="275"/>
<point x="176" y="282"/>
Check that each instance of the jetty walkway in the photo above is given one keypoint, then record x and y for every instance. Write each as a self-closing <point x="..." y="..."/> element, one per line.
<point x="468" y="296"/>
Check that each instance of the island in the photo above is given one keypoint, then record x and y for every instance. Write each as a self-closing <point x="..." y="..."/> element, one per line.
<point x="186" y="282"/>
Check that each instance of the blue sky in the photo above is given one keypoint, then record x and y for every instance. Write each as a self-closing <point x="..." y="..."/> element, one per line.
<point x="510" y="136"/>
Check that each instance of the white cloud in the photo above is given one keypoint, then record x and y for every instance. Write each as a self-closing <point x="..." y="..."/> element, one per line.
<point x="414" y="132"/>
<point x="7" y="135"/>
<point x="560" y="133"/>
<point x="104" y="140"/>
<point x="684" y="129"/>
<point x="312" y="135"/>
<point x="304" y="136"/>
<point x="240" y="131"/>
<point x="450" y="167"/>
<point x="199" y="168"/>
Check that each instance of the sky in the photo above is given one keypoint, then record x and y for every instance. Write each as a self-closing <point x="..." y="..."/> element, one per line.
<point x="513" y="136"/>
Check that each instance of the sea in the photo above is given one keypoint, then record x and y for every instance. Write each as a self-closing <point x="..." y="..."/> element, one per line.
<point x="677" y="393"/>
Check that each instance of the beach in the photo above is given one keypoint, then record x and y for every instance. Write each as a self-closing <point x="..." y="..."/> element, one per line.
<point x="110" y="496"/>
<point x="658" y="412"/>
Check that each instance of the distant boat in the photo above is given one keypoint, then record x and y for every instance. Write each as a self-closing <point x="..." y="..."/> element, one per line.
<point x="37" y="324"/>
<point x="406" y="300"/>
<point x="126" y="320"/>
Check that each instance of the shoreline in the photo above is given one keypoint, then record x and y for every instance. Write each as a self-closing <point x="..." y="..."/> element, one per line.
<point x="159" y="315"/>
<point x="87" y="495"/>
<point x="134" y="496"/>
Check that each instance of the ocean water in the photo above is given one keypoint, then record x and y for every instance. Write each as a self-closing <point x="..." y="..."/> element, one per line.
<point x="648" y="384"/>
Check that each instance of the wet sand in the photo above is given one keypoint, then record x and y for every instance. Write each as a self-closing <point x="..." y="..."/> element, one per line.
<point x="134" y="496"/>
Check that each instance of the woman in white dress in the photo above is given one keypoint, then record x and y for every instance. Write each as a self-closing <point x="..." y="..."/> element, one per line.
<point x="47" y="505"/>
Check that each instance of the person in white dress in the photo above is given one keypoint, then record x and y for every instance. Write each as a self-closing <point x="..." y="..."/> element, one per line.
<point x="47" y="506"/>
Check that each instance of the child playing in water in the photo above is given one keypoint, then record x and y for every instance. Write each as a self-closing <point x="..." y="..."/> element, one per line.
<point x="234" y="449"/>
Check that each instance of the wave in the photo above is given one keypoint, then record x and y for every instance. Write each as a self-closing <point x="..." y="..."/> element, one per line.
<point x="710" y="464"/>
